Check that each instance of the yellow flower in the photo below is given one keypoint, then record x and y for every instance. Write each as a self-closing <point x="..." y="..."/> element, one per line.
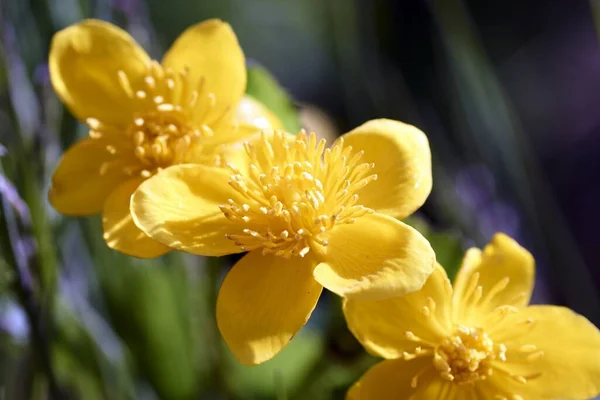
<point x="144" y="116"/>
<point x="298" y="212"/>
<point x="479" y="340"/>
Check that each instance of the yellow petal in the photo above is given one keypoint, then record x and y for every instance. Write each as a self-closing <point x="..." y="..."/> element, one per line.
<point x="381" y="325"/>
<point x="263" y="303"/>
<point x="85" y="60"/>
<point x="250" y="120"/>
<point x="570" y="365"/>
<point x="374" y="258"/>
<point x="504" y="270"/>
<point x="216" y="154"/>
<point x="179" y="207"/>
<point x="120" y="233"/>
<point x="229" y="135"/>
<point x="432" y="387"/>
<point x="211" y="52"/>
<point x="253" y="112"/>
<point x="402" y="161"/>
<point x="394" y="379"/>
<point x="390" y="379"/>
<point x="86" y="174"/>
<point x="501" y="384"/>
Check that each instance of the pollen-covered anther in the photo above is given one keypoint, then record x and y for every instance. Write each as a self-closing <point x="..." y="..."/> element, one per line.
<point x="528" y="348"/>
<point x="535" y="356"/>
<point x="418" y="352"/>
<point x="295" y="192"/>
<point x="429" y="309"/>
<point x="467" y="356"/>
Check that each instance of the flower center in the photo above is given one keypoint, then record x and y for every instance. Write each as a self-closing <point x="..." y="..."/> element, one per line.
<point x="161" y="137"/>
<point x="161" y="131"/>
<point x="296" y="191"/>
<point x="469" y="354"/>
<point x="466" y="356"/>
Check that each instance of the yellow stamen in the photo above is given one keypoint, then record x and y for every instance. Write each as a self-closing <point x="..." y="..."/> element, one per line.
<point x="467" y="356"/>
<point x="496" y="290"/>
<point x="295" y="192"/>
<point x="165" y="103"/>
<point x="414" y="382"/>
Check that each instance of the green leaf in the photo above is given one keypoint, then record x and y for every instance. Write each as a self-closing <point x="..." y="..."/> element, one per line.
<point x="263" y="87"/>
<point x="280" y="376"/>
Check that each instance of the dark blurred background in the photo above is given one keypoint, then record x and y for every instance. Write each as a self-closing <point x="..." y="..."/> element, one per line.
<point x="507" y="91"/>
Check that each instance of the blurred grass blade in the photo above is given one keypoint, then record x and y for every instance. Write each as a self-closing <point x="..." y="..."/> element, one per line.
<point x="148" y="305"/>
<point x="83" y="365"/>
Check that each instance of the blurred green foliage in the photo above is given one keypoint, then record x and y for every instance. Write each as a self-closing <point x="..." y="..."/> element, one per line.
<point x="280" y="376"/>
<point x="264" y="87"/>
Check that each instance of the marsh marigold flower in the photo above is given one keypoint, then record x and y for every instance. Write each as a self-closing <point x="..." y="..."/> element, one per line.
<point x="478" y="340"/>
<point x="309" y="216"/>
<point x="144" y="116"/>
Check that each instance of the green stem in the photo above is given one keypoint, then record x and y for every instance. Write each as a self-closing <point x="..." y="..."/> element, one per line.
<point x="214" y="267"/>
<point x="43" y="234"/>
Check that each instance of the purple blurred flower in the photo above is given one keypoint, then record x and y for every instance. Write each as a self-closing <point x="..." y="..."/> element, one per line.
<point x="475" y="186"/>
<point x="476" y="190"/>
<point x="10" y="193"/>
<point x="499" y="217"/>
<point x="131" y="8"/>
<point x="14" y="322"/>
<point x="41" y="75"/>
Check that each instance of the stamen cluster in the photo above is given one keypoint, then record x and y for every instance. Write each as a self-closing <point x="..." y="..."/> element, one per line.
<point x="296" y="191"/>
<point x="466" y="356"/>
<point x="161" y="131"/>
<point x="469" y="354"/>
